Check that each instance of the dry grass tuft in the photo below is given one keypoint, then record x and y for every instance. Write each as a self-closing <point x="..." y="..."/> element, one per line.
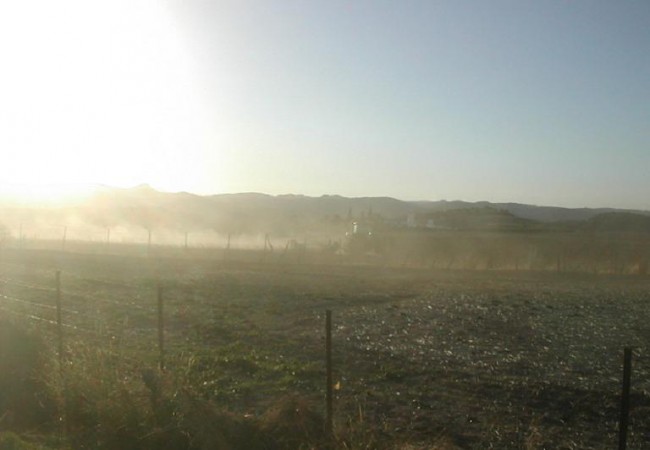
<point x="25" y="402"/>
<point x="293" y="423"/>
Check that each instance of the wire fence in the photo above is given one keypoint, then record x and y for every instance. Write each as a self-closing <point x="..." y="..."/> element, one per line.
<point x="400" y="363"/>
<point x="130" y="239"/>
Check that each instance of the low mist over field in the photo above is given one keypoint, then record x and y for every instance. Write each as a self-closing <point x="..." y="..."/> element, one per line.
<point x="444" y="234"/>
<point x="131" y="213"/>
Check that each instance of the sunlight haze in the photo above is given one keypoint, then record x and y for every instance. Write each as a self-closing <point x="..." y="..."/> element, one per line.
<point x="534" y="102"/>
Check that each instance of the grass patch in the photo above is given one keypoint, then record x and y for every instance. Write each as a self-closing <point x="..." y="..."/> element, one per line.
<point x="26" y="402"/>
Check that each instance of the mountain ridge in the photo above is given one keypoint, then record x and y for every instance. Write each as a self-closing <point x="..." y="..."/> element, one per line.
<point x="255" y="212"/>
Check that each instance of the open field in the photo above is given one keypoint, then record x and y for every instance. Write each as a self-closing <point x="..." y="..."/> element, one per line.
<point x="447" y="358"/>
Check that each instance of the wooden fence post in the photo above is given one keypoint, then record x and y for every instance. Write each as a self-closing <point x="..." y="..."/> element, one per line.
<point x="65" y="235"/>
<point x="59" y="328"/>
<point x="625" y="399"/>
<point x="161" y="329"/>
<point x="59" y="324"/>
<point x="329" y="424"/>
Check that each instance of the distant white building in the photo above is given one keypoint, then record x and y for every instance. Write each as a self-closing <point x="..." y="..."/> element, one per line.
<point x="410" y="221"/>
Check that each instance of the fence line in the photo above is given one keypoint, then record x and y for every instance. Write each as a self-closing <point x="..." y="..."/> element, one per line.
<point x="39" y="305"/>
<point x="102" y="280"/>
<point x="92" y="300"/>
<point x="86" y="298"/>
<point x="44" y="320"/>
<point x="63" y="296"/>
<point x="13" y="282"/>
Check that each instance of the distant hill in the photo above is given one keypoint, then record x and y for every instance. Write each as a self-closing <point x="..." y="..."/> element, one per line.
<point x="254" y="213"/>
<point x="531" y="212"/>
<point x="618" y="221"/>
<point x="483" y="218"/>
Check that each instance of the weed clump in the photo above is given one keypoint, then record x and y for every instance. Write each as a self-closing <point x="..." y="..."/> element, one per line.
<point x="11" y="441"/>
<point x="292" y="423"/>
<point x="25" y="400"/>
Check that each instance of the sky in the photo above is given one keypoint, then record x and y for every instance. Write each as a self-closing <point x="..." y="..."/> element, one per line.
<point x="526" y="101"/>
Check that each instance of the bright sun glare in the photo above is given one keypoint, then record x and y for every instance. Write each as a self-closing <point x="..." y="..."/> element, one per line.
<point x="93" y="93"/>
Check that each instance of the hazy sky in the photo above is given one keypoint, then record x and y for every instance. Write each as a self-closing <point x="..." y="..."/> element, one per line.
<point x="544" y="102"/>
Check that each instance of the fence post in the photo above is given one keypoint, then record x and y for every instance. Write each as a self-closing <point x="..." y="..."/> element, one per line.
<point x="330" y="382"/>
<point x="625" y="399"/>
<point x="65" y="235"/>
<point x="59" y="324"/>
<point x="59" y="328"/>
<point x="161" y="328"/>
